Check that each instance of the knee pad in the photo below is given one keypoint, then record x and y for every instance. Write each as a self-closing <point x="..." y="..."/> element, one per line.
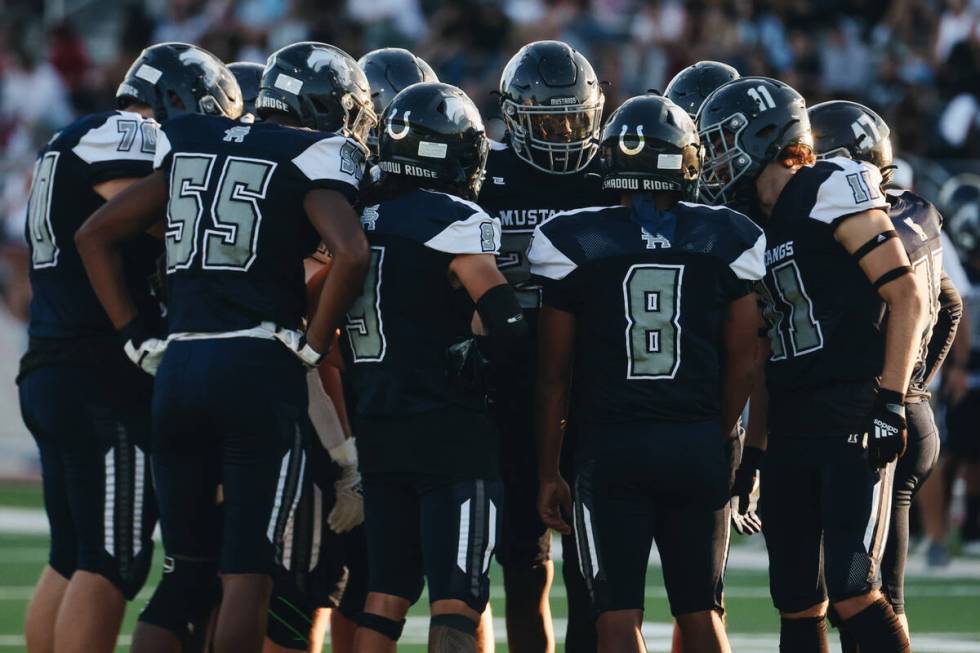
<point x="182" y="602"/>
<point x="388" y="627"/>
<point x="455" y="622"/>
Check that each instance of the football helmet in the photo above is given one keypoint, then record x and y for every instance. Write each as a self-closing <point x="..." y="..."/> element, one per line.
<point x="959" y="200"/>
<point x="389" y="70"/>
<point x="691" y="87"/>
<point x="177" y="78"/>
<point x="650" y="144"/>
<point x="432" y="133"/>
<point x="744" y="125"/>
<point x="321" y="86"/>
<point x="854" y="131"/>
<point x="249" y="75"/>
<point x="552" y="105"/>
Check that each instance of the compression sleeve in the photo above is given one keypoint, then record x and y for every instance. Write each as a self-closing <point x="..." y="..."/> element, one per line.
<point x="944" y="332"/>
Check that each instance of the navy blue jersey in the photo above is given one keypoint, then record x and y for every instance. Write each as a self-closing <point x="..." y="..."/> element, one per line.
<point x="649" y="291"/>
<point x="92" y="150"/>
<point x="919" y="225"/>
<point x="523" y="197"/>
<point x="824" y="315"/>
<point x="409" y="313"/>
<point x="237" y="232"/>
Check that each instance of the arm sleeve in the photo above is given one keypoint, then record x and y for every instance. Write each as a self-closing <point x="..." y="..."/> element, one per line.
<point x="121" y="147"/>
<point x="853" y="188"/>
<point x="334" y="163"/>
<point x="944" y="331"/>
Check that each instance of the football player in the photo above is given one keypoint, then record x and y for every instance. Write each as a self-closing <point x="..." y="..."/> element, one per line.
<point x="86" y="406"/>
<point x="691" y="87"/>
<point x="230" y="391"/>
<point x="249" y="77"/>
<point x="852" y="130"/>
<point x="426" y="442"/>
<point x="388" y="71"/>
<point x="836" y="378"/>
<point x="647" y="338"/>
<point x="552" y="103"/>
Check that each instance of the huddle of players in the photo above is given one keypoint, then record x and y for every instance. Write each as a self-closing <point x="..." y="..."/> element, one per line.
<point x="648" y="320"/>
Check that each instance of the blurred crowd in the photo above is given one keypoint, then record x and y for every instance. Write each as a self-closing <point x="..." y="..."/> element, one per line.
<point x="917" y="62"/>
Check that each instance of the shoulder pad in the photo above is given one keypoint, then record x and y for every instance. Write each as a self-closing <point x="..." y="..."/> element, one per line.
<point x="742" y="242"/>
<point x="850" y="187"/>
<point x="460" y="226"/>
<point x="122" y="136"/>
<point x="553" y="248"/>
<point x="333" y="158"/>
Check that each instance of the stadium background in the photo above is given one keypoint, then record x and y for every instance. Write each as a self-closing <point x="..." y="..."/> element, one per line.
<point x="917" y="62"/>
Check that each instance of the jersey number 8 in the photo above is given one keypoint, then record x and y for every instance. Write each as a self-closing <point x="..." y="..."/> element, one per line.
<point x="652" y="296"/>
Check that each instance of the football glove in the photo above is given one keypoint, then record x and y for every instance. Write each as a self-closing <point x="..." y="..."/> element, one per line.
<point x="348" y="509"/>
<point x="296" y="342"/>
<point x="745" y="493"/>
<point x="468" y="367"/>
<point x="887" y="430"/>
<point x="141" y="348"/>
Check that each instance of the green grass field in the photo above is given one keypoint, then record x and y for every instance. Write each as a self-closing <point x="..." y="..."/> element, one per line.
<point x="944" y="609"/>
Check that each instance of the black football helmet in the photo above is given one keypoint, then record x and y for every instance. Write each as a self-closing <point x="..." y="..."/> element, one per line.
<point x="959" y="200"/>
<point x="249" y="76"/>
<point x="321" y="86"/>
<point x="650" y="144"/>
<point x="177" y="78"/>
<point x="744" y="125"/>
<point x="552" y="106"/>
<point x="432" y="133"/>
<point x="389" y="70"/>
<point x="854" y="131"/>
<point x="691" y="87"/>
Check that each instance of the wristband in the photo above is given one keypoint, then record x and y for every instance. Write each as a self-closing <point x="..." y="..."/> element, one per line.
<point x="134" y="331"/>
<point x="886" y="396"/>
<point x="309" y="355"/>
<point x="344" y="454"/>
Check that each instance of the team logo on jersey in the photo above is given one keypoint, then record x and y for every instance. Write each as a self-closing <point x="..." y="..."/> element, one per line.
<point x="401" y="133"/>
<point x="636" y="149"/>
<point x="369" y="217"/>
<point x="236" y="134"/>
<point x="919" y="231"/>
<point x="654" y="242"/>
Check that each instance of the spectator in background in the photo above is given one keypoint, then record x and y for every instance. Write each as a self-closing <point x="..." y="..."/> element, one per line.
<point x="956" y="24"/>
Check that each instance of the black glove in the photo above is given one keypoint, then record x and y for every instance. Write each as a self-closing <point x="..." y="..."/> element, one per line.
<point x="745" y="495"/>
<point x="887" y="430"/>
<point x="468" y="367"/>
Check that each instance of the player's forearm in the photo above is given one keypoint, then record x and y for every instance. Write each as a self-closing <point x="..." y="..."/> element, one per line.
<point x="944" y="332"/>
<point x="334" y="386"/>
<point x="757" y="430"/>
<point x="104" y="265"/>
<point x="736" y="387"/>
<point x="906" y="317"/>
<point x="341" y="288"/>
<point x="551" y="402"/>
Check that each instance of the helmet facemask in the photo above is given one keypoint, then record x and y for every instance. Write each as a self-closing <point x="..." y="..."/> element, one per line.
<point x="725" y="162"/>
<point x="555" y="139"/>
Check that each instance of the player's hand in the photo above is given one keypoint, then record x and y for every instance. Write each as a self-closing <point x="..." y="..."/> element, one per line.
<point x="145" y="351"/>
<point x="348" y="510"/>
<point x="296" y="342"/>
<point x="887" y="430"/>
<point x="555" y="501"/>
<point x="468" y="367"/>
<point x="745" y="493"/>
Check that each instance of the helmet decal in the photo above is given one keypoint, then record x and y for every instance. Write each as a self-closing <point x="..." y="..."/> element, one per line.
<point x="403" y="132"/>
<point x="632" y="151"/>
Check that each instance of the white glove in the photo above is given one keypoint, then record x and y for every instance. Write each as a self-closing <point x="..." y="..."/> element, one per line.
<point x="147" y="355"/>
<point x="348" y="510"/>
<point x="295" y="341"/>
